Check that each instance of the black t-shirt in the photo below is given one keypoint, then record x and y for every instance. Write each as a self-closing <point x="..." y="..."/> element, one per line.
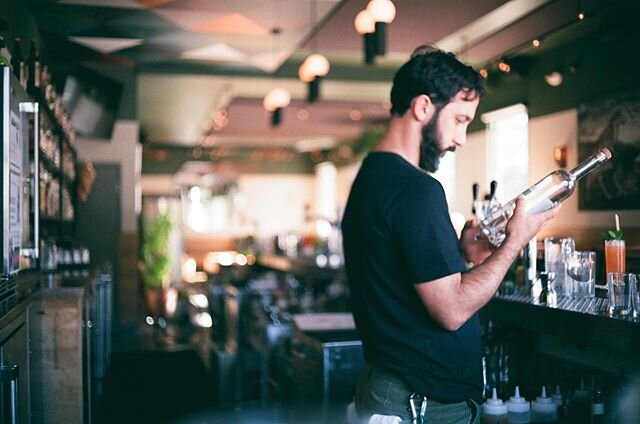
<point x="397" y="233"/>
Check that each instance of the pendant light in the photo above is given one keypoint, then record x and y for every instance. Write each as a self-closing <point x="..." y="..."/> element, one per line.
<point x="314" y="67"/>
<point x="383" y="12"/>
<point x="366" y="26"/>
<point x="277" y="98"/>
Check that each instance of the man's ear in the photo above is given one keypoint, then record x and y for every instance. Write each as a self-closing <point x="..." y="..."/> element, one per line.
<point x="422" y="108"/>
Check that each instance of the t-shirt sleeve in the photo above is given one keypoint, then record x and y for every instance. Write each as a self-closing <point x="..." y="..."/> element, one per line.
<point x="423" y="234"/>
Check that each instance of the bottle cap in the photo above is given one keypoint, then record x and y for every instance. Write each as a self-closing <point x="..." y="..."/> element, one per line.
<point x="516" y="403"/>
<point x="544" y="404"/>
<point x="494" y="405"/>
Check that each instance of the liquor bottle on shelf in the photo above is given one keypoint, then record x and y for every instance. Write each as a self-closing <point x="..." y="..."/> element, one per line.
<point x="543" y="195"/>
<point x="17" y="64"/>
<point x="33" y="69"/>
<point x="4" y="53"/>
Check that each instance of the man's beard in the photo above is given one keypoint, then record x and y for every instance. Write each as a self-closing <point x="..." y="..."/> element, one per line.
<point x="429" y="147"/>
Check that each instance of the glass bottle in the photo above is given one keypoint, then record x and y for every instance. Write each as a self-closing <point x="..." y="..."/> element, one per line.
<point x="33" y="69"/>
<point x="543" y="195"/>
<point x="4" y="56"/>
<point x="18" y="65"/>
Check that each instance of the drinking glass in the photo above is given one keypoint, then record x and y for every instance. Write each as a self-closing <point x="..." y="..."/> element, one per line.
<point x="556" y="253"/>
<point x="614" y="255"/>
<point x="635" y="296"/>
<point x="620" y="289"/>
<point x="581" y="272"/>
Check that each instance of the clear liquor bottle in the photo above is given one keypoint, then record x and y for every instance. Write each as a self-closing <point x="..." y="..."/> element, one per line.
<point x="543" y="195"/>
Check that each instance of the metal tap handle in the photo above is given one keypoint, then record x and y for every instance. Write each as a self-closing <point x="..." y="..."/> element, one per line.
<point x="10" y="374"/>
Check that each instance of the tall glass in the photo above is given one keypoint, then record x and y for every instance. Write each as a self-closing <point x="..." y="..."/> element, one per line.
<point x="581" y="271"/>
<point x="614" y="255"/>
<point x="556" y="252"/>
<point x="620" y="285"/>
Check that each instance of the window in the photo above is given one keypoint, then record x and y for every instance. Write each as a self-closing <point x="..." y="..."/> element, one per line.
<point x="508" y="150"/>
<point x="446" y="174"/>
<point x="206" y="212"/>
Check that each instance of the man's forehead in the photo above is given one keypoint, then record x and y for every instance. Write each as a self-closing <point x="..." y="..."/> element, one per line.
<point x="464" y="101"/>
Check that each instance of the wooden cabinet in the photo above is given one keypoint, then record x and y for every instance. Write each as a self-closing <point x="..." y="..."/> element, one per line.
<point x="14" y="369"/>
<point x="70" y="332"/>
<point x="57" y="328"/>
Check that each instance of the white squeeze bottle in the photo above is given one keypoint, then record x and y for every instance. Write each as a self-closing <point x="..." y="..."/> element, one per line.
<point x="494" y="411"/>
<point x="544" y="409"/>
<point x="557" y="396"/>
<point x="519" y="409"/>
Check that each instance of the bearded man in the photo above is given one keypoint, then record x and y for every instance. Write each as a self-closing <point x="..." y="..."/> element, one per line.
<point x="414" y="302"/>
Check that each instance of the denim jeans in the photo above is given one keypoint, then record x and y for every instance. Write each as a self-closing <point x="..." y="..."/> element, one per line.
<point x="379" y="391"/>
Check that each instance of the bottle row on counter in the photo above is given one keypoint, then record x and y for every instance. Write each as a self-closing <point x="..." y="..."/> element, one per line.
<point x="578" y="406"/>
<point x="65" y="254"/>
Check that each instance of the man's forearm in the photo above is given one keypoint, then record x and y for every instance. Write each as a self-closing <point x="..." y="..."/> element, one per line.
<point x="478" y="285"/>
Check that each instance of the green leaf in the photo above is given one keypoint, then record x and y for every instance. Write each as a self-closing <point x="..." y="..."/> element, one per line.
<point x="613" y="235"/>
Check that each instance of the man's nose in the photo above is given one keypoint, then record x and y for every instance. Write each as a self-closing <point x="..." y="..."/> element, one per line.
<point x="460" y="140"/>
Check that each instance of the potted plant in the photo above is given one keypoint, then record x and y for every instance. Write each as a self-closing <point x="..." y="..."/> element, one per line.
<point x="156" y="263"/>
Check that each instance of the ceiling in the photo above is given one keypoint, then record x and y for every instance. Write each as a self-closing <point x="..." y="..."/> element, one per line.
<point x="194" y="58"/>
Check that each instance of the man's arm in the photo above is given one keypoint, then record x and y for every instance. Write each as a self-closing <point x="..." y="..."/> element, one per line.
<point x="453" y="299"/>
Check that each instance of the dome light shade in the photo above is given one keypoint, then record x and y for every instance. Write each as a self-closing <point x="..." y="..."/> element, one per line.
<point x="276" y="98"/>
<point x="317" y="65"/>
<point x="364" y="23"/>
<point x="304" y="72"/>
<point x="382" y="10"/>
<point x="554" y="79"/>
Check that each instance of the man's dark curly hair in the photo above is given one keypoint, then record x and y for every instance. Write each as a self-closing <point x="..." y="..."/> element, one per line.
<point x="436" y="73"/>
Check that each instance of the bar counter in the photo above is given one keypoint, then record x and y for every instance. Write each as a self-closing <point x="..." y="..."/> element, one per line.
<point x="581" y="331"/>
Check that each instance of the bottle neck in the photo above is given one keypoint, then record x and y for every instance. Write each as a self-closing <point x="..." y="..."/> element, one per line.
<point x="588" y="165"/>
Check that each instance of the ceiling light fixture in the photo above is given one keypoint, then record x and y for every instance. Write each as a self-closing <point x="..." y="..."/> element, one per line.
<point x="311" y="71"/>
<point x="383" y="12"/>
<point x="314" y="67"/>
<point x="366" y="26"/>
<point x="554" y="79"/>
<point x="536" y="43"/>
<point x="504" y="66"/>
<point x="277" y="98"/>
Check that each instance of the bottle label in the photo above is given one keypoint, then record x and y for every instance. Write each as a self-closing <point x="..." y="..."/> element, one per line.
<point x="597" y="408"/>
<point x="540" y="205"/>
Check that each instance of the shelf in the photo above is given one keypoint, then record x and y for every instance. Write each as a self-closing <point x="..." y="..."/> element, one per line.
<point x="49" y="165"/>
<point x="49" y="114"/>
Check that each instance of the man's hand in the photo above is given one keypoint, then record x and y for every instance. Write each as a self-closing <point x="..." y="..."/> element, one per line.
<point x="474" y="247"/>
<point x="523" y="227"/>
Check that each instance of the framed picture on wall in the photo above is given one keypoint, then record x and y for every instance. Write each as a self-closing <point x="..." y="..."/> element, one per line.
<point x="614" y="122"/>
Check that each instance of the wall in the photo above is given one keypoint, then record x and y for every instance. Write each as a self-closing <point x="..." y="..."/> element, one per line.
<point x="346" y="175"/>
<point x="123" y="148"/>
<point x="560" y="129"/>
<point x="276" y="202"/>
